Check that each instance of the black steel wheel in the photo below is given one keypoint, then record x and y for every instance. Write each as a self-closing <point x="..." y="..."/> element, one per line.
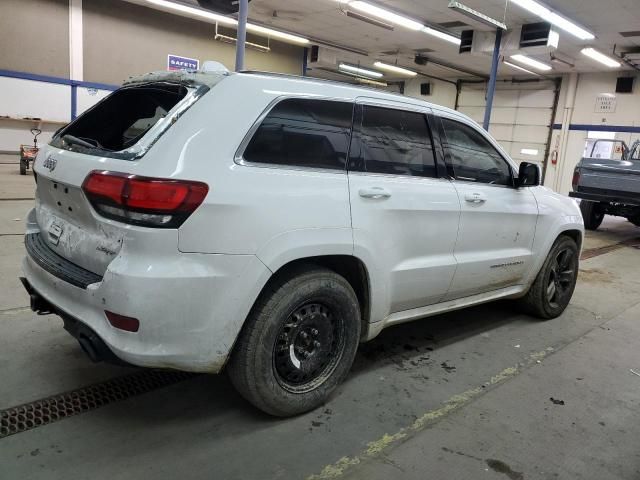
<point x="298" y="343"/>
<point x="308" y="347"/>
<point x="553" y="288"/>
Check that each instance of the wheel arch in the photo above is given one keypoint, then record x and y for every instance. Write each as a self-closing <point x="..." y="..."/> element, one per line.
<point x="351" y="268"/>
<point x="575" y="234"/>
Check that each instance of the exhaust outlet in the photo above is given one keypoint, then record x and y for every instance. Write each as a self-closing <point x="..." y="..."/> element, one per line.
<point x="37" y="303"/>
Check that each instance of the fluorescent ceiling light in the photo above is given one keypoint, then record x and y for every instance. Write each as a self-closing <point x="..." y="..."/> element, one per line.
<point x="386" y="15"/>
<point x="224" y="20"/>
<point x="476" y="15"/>
<point x="531" y="62"/>
<point x="394" y="68"/>
<point x="552" y="17"/>
<point x="216" y="17"/>
<point x="442" y="35"/>
<point x="359" y="71"/>
<point x="600" y="57"/>
<point x="513" y="65"/>
<point x="529" y="151"/>
<point x="277" y="34"/>
<point x="396" y="19"/>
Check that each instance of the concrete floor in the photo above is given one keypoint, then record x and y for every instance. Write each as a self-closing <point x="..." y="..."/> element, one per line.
<point x="461" y="395"/>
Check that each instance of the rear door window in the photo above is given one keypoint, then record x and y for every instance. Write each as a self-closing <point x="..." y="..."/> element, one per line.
<point x="394" y="142"/>
<point x="122" y="119"/>
<point x="303" y="133"/>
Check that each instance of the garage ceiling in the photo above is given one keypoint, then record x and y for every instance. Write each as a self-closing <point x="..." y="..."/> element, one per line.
<point x="326" y="20"/>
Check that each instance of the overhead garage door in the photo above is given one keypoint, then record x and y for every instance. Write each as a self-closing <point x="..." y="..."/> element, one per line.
<point x="521" y="116"/>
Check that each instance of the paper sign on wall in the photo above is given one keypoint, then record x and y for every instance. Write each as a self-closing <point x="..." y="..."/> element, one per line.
<point x="606" y="103"/>
<point x="175" y="62"/>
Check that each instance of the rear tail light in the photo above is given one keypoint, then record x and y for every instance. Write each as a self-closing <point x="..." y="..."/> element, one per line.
<point x="576" y="179"/>
<point x="149" y="202"/>
<point x="121" y="322"/>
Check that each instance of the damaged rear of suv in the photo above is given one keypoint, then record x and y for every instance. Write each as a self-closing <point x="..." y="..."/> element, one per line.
<point x="102" y="240"/>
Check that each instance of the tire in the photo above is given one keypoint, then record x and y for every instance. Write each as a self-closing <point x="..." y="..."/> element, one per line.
<point x="298" y="343"/>
<point x="553" y="288"/>
<point x="590" y="214"/>
<point x="23" y="167"/>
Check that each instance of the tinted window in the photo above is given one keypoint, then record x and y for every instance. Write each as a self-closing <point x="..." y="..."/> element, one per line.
<point x="306" y="133"/>
<point x="394" y="142"/>
<point x="474" y="158"/>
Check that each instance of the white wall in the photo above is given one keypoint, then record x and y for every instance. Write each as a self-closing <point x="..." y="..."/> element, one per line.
<point x="589" y="86"/>
<point x="49" y="103"/>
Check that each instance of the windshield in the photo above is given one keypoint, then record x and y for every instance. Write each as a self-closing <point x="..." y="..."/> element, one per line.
<point x="121" y="120"/>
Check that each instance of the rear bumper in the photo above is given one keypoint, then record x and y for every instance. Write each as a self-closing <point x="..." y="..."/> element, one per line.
<point x="91" y="343"/>
<point x="191" y="307"/>
<point x="609" y="197"/>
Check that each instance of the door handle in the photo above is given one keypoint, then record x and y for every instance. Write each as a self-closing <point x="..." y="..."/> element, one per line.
<point x="475" y="197"/>
<point x="374" y="192"/>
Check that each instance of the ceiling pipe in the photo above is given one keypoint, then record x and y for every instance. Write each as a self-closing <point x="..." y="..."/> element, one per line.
<point x="622" y="57"/>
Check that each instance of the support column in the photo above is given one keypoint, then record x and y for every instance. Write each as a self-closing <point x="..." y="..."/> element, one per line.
<point x="76" y="52"/>
<point x="567" y="116"/>
<point x="492" y="80"/>
<point x="243" y="13"/>
<point x="75" y="41"/>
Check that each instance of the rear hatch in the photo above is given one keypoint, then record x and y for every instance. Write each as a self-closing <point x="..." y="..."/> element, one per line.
<point x="113" y="136"/>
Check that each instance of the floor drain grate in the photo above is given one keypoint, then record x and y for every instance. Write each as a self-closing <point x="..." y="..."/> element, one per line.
<point x="48" y="410"/>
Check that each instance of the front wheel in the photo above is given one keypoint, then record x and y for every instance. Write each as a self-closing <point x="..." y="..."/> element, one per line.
<point x="298" y="343"/>
<point x="553" y="288"/>
<point x="23" y="166"/>
<point x="591" y="214"/>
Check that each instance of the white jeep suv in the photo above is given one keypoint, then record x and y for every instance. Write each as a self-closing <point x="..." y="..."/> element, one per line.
<point x="266" y="224"/>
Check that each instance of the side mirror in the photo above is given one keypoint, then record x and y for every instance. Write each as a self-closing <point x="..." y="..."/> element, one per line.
<point x="529" y="175"/>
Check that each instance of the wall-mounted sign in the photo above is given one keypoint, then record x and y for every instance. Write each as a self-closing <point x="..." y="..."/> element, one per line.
<point x="175" y="62"/>
<point x="606" y="103"/>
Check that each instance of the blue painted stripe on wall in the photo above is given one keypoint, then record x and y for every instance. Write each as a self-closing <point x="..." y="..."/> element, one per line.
<point x="60" y="81"/>
<point x="583" y="127"/>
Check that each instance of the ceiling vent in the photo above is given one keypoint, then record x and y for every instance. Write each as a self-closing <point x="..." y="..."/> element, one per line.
<point x="321" y="56"/>
<point x="633" y="33"/>
<point x="538" y="34"/>
<point x="477" y="42"/>
<point x="530" y="39"/>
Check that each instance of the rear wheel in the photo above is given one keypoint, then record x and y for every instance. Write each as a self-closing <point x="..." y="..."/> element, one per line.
<point x="298" y="343"/>
<point x="591" y="214"/>
<point x="553" y="288"/>
<point x="23" y="166"/>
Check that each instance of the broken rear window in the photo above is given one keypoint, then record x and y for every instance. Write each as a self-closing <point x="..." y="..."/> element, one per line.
<point x="119" y="122"/>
